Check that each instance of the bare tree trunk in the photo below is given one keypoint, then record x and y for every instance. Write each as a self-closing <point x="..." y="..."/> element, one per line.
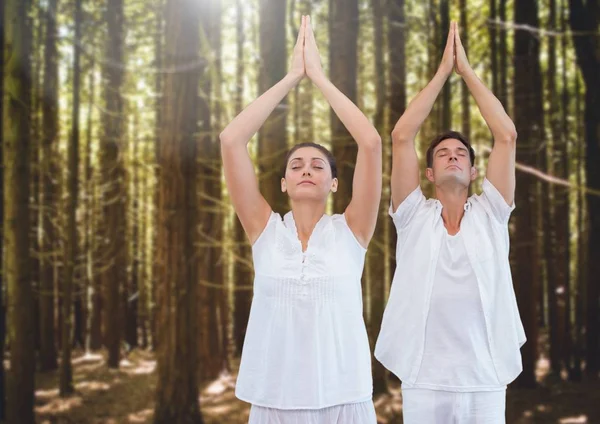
<point x="17" y="125"/>
<point x="49" y="201"/>
<point x="66" y="371"/>
<point x="112" y="168"/>
<point x="465" y="95"/>
<point x="529" y="122"/>
<point x="177" y="356"/>
<point x="2" y="263"/>
<point x="343" y="60"/>
<point x="586" y="18"/>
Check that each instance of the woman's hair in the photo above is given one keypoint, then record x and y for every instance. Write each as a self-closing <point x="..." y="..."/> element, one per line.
<point x="319" y="147"/>
<point x="450" y="134"/>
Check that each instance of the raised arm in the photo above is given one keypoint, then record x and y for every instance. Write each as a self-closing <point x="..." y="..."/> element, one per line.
<point x="501" y="163"/>
<point x="251" y="207"/>
<point x="361" y="213"/>
<point x="405" y="164"/>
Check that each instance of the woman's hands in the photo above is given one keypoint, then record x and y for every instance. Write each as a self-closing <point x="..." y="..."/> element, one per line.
<point x="297" y="69"/>
<point x="305" y="57"/>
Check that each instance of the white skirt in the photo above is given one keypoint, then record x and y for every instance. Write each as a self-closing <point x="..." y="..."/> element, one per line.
<point x="440" y="407"/>
<point x="350" y="413"/>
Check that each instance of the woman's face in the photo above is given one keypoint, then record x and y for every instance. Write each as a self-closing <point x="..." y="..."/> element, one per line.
<point x="308" y="175"/>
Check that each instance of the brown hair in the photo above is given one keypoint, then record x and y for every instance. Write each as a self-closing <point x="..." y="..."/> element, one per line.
<point x="445" y="136"/>
<point x="317" y="146"/>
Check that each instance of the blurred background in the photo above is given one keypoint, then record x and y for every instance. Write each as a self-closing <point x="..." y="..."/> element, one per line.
<point x="126" y="278"/>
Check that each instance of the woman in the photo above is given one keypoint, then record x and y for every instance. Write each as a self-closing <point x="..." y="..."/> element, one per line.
<point x="306" y="356"/>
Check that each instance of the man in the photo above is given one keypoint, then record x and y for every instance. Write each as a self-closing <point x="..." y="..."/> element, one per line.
<point x="451" y="330"/>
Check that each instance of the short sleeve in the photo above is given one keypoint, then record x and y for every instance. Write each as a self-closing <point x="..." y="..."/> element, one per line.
<point x="494" y="199"/>
<point x="407" y="209"/>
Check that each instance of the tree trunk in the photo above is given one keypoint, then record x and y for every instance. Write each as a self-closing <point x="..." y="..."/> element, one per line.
<point x="66" y="371"/>
<point x="49" y="200"/>
<point x="586" y="18"/>
<point x="556" y="206"/>
<point x="529" y="123"/>
<point x="465" y="94"/>
<point x="177" y="358"/>
<point x="242" y="252"/>
<point x="493" y="46"/>
<point x="446" y="91"/>
<point x="2" y="263"/>
<point x="272" y="138"/>
<point x="17" y="125"/>
<point x="112" y="168"/>
<point x="503" y="53"/>
<point x="343" y="34"/>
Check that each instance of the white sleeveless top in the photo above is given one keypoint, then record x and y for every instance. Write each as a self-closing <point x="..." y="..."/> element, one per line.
<point x="306" y="344"/>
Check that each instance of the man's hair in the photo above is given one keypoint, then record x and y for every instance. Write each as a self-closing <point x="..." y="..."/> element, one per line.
<point x="317" y="146"/>
<point x="445" y="136"/>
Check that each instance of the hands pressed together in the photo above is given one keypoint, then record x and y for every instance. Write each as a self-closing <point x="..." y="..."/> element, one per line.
<point x="306" y="60"/>
<point x="455" y="57"/>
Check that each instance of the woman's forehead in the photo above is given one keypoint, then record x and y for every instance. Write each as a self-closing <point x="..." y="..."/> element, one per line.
<point x="307" y="153"/>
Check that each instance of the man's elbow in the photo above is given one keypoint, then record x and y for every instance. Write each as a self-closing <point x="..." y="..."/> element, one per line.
<point x="508" y="137"/>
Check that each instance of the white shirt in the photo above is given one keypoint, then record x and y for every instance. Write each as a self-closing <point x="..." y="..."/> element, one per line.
<point x="306" y="345"/>
<point x="456" y="356"/>
<point x="401" y="343"/>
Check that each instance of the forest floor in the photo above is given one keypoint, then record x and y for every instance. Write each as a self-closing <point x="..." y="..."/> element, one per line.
<point x="105" y="396"/>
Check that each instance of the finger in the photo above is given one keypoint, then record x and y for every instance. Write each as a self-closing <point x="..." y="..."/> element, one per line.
<point x="300" y="38"/>
<point x="457" y="38"/>
<point x="450" y="40"/>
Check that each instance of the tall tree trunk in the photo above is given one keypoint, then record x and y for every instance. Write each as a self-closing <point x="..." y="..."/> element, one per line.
<point x="158" y="58"/>
<point x="17" y="125"/>
<point x="556" y="248"/>
<point x="112" y="168"/>
<point x="493" y="46"/>
<point x="586" y="18"/>
<point x="503" y="54"/>
<point x="272" y="138"/>
<point x="465" y="94"/>
<point x="66" y="371"/>
<point x="529" y="122"/>
<point x="343" y="34"/>
<point x="578" y="350"/>
<point x="2" y="263"/>
<point x="177" y="358"/>
<point x="242" y="251"/>
<point x="94" y="316"/>
<point x="377" y="254"/>
<point x="49" y="201"/>
<point x="210" y="291"/>
<point x="446" y="91"/>
<point x="131" y="321"/>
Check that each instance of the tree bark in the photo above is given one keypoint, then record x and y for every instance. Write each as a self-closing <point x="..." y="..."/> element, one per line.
<point x="17" y="138"/>
<point x="177" y="280"/>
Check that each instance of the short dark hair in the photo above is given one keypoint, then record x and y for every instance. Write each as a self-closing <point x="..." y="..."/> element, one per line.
<point x="445" y="136"/>
<point x="317" y="146"/>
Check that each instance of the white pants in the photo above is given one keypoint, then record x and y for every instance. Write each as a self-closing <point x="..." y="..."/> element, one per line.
<point x="423" y="406"/>
<point x="351" y="413"/>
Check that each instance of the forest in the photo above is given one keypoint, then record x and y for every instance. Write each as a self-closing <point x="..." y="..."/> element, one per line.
<point x="126" y="278"/>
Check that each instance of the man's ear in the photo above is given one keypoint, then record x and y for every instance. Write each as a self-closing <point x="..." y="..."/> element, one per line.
<point x="474" y="173"/>
<point x="429" y="174"/>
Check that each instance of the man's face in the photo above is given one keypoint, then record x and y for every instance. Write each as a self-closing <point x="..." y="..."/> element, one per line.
<point x="451" y="164"/>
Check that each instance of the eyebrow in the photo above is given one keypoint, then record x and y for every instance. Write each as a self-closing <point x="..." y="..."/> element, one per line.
<point x="302" y="159"/>
<point x="447" y="148"/>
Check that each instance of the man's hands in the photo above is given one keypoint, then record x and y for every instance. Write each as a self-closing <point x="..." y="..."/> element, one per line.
<point x="454" y="56"/>
<point x="306" y="60"/>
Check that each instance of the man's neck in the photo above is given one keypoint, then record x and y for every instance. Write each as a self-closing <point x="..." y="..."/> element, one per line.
<point x="453" y="201"/>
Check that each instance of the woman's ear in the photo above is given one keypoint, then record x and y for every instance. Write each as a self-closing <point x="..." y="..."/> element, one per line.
<point x="283" y="185"/>
<point x="334" y="185"/>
